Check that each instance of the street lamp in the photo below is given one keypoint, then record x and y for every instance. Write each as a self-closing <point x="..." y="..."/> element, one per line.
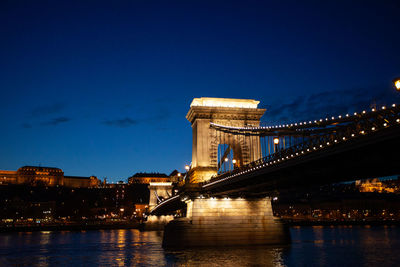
<point x="276" y="143"/>
<point x="234" y="163"/>
<point x="396" y="83"/>
<point x="187" y="167"/>
<point x="226" y="160"/>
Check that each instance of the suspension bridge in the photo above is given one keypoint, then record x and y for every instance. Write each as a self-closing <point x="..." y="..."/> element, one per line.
<point x="238" y="164"/>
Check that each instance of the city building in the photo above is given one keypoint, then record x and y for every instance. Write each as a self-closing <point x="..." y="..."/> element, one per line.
<point x="147" y="178"/>
<point x="155" y="177"/>
<point x="375" y="185"/>
<point x="48" y="176"/>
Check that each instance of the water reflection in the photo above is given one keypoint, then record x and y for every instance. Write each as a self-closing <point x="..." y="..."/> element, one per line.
<point x="254" y="256"/>
<point x="311" y="246"/>
<point x="344" y="246"/>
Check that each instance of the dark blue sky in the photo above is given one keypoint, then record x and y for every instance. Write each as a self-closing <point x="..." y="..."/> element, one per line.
<point x="102" y="88"/>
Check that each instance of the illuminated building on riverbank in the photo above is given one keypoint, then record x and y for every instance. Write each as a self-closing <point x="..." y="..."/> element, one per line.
<point x="48" y="176"/>
<point x="375" y="185"/>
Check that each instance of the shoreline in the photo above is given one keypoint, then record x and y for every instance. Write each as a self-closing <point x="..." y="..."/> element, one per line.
<point x="291" y="223"/>
<point x="91" y="227"/>
<point x="65" y="227"/>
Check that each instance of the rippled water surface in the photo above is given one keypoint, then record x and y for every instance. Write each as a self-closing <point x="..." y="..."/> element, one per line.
<point x="311" y="246"/>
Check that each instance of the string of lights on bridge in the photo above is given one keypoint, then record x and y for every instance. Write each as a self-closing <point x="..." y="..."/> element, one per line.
<point x="308" y="124"/>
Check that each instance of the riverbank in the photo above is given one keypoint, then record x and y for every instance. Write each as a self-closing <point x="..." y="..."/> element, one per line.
<point x="141" y="226"/>
<point x="68" y="227"/>
<point x="290" y="222"/>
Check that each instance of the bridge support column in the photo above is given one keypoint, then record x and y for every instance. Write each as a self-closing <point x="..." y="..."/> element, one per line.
<point x="159" y="190"/>
<point x="226" y="222"/>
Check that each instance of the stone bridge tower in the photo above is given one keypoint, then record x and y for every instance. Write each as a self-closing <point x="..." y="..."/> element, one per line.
<point x="228" y="112"/>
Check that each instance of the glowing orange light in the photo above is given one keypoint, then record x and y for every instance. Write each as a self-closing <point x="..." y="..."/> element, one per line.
<point x="276" y="140"/>
<point x="397" y="83"/>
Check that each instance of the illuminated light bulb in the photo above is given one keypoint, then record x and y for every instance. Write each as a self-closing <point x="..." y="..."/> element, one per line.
<point x="373" y="109"/>
<point x="327" y="143"/>
<point x="398" y="120"/>
<point x="373" y="128"/>
<point x="335" y="141"/>
<point x="385" y="124"/>
<point x="355" y="113"/>
<point x="309" y="122"/>
<point x="308" y="149"/>
<point x="364" y="112"/>
<point x="320" y="145"/>
<point x="347" y="115"/>
<point x="383" y="107"/>
<point x="297" y="153"/>
<point x="344" y="138"/>
<point x="362" y="132"/>
<point x="340" y="116"/>
<point x="352" y="135"/>
<point x="320" y="120"/>
<point x="394" y="105"/>
<point x="333" y="118"/>
<point x="302" y="152"/>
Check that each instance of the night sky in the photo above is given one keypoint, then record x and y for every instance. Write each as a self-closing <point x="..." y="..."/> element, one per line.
<point x="102" y="88"/>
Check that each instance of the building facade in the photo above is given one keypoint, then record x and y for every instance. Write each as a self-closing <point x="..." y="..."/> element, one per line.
<point x="47" y="176"/>
<point x="147" y="178"/>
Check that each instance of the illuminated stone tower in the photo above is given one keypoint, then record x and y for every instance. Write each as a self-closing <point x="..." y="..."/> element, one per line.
<point x="227" y="112"/>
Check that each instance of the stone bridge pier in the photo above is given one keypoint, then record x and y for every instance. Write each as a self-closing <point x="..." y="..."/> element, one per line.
<point x="226" y="222"/>
<point x="158" y="191"/>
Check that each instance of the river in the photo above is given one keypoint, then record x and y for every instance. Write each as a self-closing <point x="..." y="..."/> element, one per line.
<point x="310" y="246"/>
